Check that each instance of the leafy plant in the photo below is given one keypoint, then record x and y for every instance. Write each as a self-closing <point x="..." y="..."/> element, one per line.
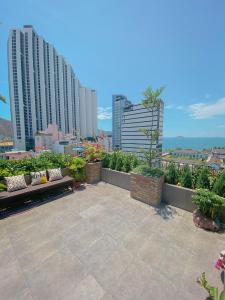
<point x="2" y="98"/>
<point x="3" y="187"/>
<point x="209" y="204"/>
<point x="203" y="179"/>
<point x="93" y="152"/>
<point x="146" y="170"/>
<point x="152" y="100"/>
<point x="212" y="291"/>
<point x="185" y="177"/>
<point x="172" y="174"/>
<point x="105" y="159"/>
<point x="219" y="185"/>
<point x="119" y="160"/>
<point x="77" y="169"/>
<point x="112" y="162"/>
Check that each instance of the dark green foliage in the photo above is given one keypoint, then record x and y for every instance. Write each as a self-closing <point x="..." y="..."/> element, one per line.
<point x="3" y="187"/>
<point x="46" y="160"/>
<point x="146" y="170"/>
<point x="186" y="177"/>
<point x="130" y="161"/>
<point x="219" y="185"/>
<point x="119" y="160"/>
<point x="112" y="162"/>
<point x="105" y="160"/>
<point x="209" y="204"/>
<point x="203" y="179"/>
<point x="172" y="174"/>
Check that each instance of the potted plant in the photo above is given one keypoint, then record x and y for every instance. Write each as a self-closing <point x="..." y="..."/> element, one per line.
<point x="213" y="292"/>
<point x="93" y="155"/>
<point x="210" y="210"/>
<point x="77" y="171"/>
<point x="147" y="179"/>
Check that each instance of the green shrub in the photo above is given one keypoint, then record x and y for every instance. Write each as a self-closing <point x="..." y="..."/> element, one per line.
<point x="203" y="179"/>
<point x="46" y="160"/>
<point x="120" y="157"/>
<point x="185" y="177"/>
<point x="3" y="187"/>
<point x="219" y="185"/>
<point x="145" y="170"/>
<point x="77" y="169"/>
<point x="130" y="161"/>
<point x="172" y="174"/>
<point x="209" y="204"/>
<point x="105" y="160"/>
<point x="112" y="161"/>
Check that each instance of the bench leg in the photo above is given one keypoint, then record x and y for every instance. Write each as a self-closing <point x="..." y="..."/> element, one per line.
<point x="72" y="187"/>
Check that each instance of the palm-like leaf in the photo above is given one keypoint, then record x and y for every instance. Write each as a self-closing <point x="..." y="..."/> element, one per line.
<point x="2" y="98"/>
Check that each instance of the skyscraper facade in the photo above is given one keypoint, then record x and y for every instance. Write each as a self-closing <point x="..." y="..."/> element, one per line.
<point x="128" y="119"/>
<point x="119" y="102"/>
<point x="136" y="117"/>
<point x="44" y="90"/>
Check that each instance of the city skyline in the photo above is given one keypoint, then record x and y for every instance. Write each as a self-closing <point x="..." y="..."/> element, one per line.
<point x="121" y="51"/>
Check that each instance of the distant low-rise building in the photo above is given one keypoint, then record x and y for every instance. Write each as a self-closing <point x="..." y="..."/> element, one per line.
<point x="189" y="153"/>
<point x="15" y="155"/>
<point x="43" y="141"/>
<point x="218" y="153"/>
<point x="6" y="146"/>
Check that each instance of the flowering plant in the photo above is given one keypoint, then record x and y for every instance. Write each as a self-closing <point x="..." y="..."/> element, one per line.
<point x="93" y="152"/>
<point x="213" y="292"/>
<point x="220" y="263"/>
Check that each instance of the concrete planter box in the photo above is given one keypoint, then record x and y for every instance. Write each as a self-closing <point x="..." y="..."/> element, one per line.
<point x="178" y="196"/>
<point x="93" y="172"/>
<point x="146" y="189"/>
<point x="117" y="178"/>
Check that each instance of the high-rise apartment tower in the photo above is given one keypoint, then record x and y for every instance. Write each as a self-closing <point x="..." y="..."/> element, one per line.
<point x="44" y="90"/>
<point x="119" y="102"/>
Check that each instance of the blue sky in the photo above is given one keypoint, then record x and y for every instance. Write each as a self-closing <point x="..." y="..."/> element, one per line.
<point x="122" y="46"/>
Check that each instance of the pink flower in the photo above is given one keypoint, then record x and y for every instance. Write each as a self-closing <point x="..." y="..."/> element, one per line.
<point x="219" y="264"/>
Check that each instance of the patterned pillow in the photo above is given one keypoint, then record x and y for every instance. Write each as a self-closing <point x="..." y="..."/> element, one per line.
<point x="15" y="183"/>
<point x="54" y="174"/>
<point x="36" y="177"/>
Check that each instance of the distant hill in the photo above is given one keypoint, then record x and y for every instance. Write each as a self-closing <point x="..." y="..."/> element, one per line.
<point x="5" y="129"/>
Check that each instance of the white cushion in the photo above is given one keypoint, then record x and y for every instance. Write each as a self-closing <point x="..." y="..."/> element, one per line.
<point x="36" y="177"/>
<point x="15" y="183"/>
<point x="54" y="174"/>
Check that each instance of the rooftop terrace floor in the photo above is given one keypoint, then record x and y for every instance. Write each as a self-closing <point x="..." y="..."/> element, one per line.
<point x="98" y="243"/>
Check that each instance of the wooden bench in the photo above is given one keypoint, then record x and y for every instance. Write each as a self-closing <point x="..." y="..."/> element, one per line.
<point x="7" y="198"/>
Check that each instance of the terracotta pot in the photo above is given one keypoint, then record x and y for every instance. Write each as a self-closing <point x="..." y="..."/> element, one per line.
<point x="204" y="222"/>
<point x="93" y="172"/>
<point x="76" y="184"/>
<point x="146" y="189"/>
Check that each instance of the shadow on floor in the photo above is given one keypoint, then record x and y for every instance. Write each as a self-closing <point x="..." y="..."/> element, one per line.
<point x="165" y="211"/>
<point x="28" y="203"/>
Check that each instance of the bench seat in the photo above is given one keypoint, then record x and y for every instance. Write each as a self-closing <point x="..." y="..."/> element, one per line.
<point x="35" y="189"/>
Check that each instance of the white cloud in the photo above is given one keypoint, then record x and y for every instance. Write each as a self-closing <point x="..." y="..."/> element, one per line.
<point x="206" y="111"/>
<point x="104" y="113"/>
<point x="169" y="106"/>
<point x="172" y="106"/>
